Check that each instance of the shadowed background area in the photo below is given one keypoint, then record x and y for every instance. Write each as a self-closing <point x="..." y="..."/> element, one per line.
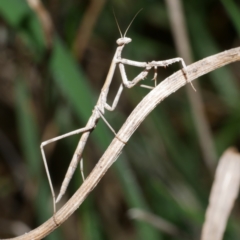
<point x="54" y="59"/>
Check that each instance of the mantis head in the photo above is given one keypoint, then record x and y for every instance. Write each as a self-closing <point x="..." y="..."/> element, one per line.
<point x="124" y="40"/>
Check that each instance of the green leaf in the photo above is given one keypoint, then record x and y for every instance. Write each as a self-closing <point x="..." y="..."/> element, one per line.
<point x="14" y="11"/>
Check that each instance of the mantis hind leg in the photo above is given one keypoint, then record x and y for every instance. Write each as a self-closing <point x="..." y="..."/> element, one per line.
<point x="85" y="129"/>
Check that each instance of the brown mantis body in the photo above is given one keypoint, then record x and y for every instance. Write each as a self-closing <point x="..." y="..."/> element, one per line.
<point x="101" y="105"/>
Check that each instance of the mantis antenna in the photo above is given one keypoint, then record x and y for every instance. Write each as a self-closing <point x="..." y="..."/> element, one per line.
<point x="128" y="25"/>
<point x="117" y="23"/>
<point x="131" y="22"/>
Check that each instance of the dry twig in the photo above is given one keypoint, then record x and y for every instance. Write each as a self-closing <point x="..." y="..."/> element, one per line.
<point x="44" y="19"/>
<point x="223" y="195"/>
<point x="85" y="28"/>
<point x="160" y="223"/>
<point x="143" y="109"/>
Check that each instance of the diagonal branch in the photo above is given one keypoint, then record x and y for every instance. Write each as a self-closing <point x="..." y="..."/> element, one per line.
<point x="150" y="101"/>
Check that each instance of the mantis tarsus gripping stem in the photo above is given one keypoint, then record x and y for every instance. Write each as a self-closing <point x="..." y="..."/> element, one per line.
<point x="100" y="107"/>
<point x="165" y="63"/>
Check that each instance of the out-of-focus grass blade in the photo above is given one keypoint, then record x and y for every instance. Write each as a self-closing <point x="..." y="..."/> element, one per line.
<point x="233" y="12"/>
<point x="157" y="221"/>
<point x="177" y="199"/>
<point x="182" y="169"/>
<point x="27" y="129"/>
<point x="90" y="220"/>
<point x="71" y="80"/>
<point x="204" y="45"/>
<point x="18" y="15"/>
<point x="177" y="149"/>
<point x="134" y="197"/>
<point x="14" y="11"/>
<point x="230" y="131"/>
<point x="32" y="34"/>
<point x="223" y="195"/>
<point x="28" y="135"/>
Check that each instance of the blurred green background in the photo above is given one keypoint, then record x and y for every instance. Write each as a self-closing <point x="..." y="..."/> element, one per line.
<point x="49" y="83"/>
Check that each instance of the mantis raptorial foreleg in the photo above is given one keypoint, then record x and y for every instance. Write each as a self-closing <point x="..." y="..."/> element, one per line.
<point x="115" y="101"/>
<point x="126" y="82"/>
<point x="140" y="76"/>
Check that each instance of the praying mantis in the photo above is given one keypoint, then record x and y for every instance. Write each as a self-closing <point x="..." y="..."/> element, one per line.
<point x="101" y="105"/>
